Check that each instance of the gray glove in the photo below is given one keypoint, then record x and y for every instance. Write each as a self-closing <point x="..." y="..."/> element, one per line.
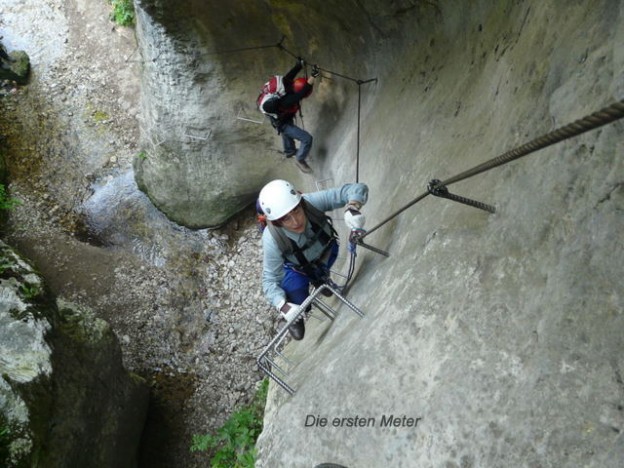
<point x="316" y="71"/>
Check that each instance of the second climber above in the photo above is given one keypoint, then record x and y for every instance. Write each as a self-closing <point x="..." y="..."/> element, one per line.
<point x="283" y="109"/>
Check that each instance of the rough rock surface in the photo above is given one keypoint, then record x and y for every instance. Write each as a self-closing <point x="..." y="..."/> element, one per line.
<point x="205" y="158"/>
<point x="501" y="332"/>
<point x="185" y="305"/>
<point x="65" y="398"/>
<point x="14" y="67"/>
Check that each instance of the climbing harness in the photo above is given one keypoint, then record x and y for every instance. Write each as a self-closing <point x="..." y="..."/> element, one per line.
<point x="439" y="188"/>
<point x="321" y="223"/>
<point x="352" y="243"/>
<point x="359" y="82"/>
<point x="294" y="255"/>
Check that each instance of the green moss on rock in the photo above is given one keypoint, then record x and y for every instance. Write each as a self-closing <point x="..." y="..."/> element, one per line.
<point x="17" y="69"/>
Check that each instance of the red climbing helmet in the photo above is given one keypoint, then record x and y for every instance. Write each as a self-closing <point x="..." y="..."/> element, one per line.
<point x="299" y="84"/>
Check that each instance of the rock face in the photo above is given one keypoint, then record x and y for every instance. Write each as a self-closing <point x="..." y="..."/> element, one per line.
<point x="204" y="157"/>
<point x="489" y="340"/>
<point x="65" y="398"/>
<point x="502" y="332"/>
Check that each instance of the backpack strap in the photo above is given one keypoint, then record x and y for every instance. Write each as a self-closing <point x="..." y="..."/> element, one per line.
<point x="284" y="244"/>
<point x="262" y="99"/>
<point x="317" y="216"/>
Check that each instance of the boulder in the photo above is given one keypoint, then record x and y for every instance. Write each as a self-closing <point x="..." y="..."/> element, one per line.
<point x="65" y="397"/>
<point x="207" y="150"/>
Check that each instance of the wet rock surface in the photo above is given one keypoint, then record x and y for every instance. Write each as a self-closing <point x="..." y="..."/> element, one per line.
<point x="173" y="296"/>
<point x="501" y="332"/>
<point x="63" y="387"/>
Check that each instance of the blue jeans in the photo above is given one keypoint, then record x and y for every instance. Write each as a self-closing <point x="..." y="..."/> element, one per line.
<point x="297" y="284"/>
<point x="290" y="132"/>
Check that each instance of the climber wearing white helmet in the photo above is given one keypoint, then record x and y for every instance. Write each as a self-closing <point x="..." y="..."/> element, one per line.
<point x="300" y="243"/>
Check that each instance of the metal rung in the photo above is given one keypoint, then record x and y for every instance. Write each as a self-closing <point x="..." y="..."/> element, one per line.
<point x="318" y="317"/>
<point x="276" y="367"/>
<point x="266" y="364"/>
<point x="338" y="273"/>
<point x="288" y="361"/>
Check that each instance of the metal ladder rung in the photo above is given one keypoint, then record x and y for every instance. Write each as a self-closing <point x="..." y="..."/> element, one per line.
<point x="274" y="366"/>
<point x="273" y="345"/>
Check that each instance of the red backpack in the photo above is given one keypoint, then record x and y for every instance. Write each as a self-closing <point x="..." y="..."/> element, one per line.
<point x="274" y="88"/>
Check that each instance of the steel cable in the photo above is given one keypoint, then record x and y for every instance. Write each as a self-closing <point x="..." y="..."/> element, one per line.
<point x="598" y="119"/>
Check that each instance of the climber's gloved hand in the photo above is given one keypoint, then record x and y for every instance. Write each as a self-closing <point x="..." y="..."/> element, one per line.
<point x="300" y="61"/>
<point x="316" y="71"/>
<point x="289" y="311"/>
<point x="353" y="217"/>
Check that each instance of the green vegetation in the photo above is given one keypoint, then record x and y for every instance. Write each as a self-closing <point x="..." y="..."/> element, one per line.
<point x="100" y="116"/>
<point x="6" y="202"/>
<point x="5" y="441"/>
<point x="29" y="290"/>
<point x="4" y="265"/>
<point x="235" y="441"/>
<point x="123" y="12"/>
<point x="142" y="155"/>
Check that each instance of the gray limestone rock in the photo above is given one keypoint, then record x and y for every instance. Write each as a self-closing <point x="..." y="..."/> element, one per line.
<point x="489" y="340"/>
<point x="502" y="332"/>
<point x="65" y="398"/>
<point x="207" y="149"/>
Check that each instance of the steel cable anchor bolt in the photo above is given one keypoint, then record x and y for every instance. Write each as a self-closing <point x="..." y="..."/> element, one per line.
<point x="434" y="187"/>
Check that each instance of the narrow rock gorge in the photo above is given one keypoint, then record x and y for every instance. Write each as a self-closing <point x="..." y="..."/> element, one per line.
<point x="489" y="339"/>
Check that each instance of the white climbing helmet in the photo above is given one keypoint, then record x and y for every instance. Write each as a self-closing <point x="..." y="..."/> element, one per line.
<point x="278" y="198"/>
